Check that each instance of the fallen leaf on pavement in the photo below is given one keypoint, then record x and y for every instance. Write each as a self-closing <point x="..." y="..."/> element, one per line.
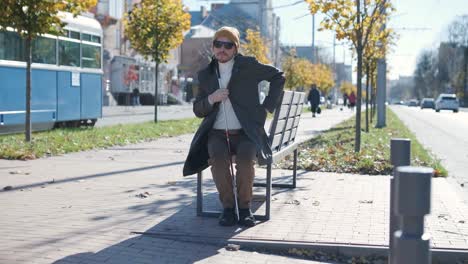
<point x="295" y="202"/>
<point x="141" y="195"/>
<point x="19" y="172"/>
<point x="232" y="247"/>
<point x="443" y="216"/>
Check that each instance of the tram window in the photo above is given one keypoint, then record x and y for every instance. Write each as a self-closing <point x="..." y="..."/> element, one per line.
<point x="11" y="46"/>
<point x="44" y="50"/>
<point x="69" y="53"/>
<point x="90" y="38"/>
<point x="85" y="37"/>
<point x="91" y="56"/>
<point x="74" y="35"/>
<point x="96" y="39"/>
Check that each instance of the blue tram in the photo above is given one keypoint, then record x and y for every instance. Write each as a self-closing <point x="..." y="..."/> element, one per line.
<point x="66" y="79"/>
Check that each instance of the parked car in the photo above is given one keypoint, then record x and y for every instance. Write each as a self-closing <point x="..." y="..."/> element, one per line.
<point x="413" y="102"/>
<point x="427" y="103"/>
<point x="447" y="102"/>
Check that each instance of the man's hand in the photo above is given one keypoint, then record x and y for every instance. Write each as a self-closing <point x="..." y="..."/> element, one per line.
<point x="218" y="96"/>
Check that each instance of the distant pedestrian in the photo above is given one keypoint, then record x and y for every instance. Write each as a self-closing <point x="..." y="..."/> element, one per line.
<point x="314" y="100"/>
<point x="352" y="100"/>
<point x="135" y="97"/>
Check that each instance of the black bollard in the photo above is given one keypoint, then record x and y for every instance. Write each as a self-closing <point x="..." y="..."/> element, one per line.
<point x="400" y="155"/>
<point x="412" y="203"/>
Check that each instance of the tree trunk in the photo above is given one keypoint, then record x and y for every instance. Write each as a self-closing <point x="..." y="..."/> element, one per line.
<point x="372" y="98"/>
<point x="28" y="54"/>
<point x="367" y="97"/>
<point x="359" y="49"/>
<point x="357" y="145"/>
<point x="156" y="94"/>
<point x="465" y="79"/>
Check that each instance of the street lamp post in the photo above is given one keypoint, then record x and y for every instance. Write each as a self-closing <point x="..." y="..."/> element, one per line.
<point x="381" y="88"/>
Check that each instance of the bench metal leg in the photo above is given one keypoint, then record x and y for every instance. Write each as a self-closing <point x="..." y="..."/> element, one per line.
<point x="200" y="193"/>
<point x="284" y="185"/>
<point x="268" y="192"/>
<point x="294" y="168"/>
<point x="200" y="211"/>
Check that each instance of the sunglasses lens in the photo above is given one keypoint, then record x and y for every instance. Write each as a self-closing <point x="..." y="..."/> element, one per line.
<point x="217" y="44"/>
<point x="227" y="45"/>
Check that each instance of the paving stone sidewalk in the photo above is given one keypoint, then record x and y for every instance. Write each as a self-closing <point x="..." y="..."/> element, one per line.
<point x="85" y="207"/>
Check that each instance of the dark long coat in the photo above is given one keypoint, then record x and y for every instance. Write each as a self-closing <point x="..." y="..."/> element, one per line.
<point x="247" y="72"/>
<point x="314" y="97"/>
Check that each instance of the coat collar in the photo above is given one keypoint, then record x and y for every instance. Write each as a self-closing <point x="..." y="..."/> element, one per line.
<point x="235" y="68"/>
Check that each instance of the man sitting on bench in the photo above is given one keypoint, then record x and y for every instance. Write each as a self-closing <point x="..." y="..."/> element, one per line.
<point x="233" y="123"/>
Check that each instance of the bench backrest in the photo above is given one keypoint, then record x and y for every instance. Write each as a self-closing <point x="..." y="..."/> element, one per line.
<point x="283" y="128"/>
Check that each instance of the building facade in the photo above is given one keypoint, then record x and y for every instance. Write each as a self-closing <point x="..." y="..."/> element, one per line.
<point x="125" y="69"/>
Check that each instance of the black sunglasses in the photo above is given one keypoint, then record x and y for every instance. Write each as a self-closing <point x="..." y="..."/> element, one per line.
<point x="227" y="45"/>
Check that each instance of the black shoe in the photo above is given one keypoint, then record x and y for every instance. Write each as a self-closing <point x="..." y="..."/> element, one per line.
<point x="228" y="217"/>
<point x="246" y="218"/>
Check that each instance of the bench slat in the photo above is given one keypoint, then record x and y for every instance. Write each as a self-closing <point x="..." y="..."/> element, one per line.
<point x="296" y="98"/>
<point x="296" y="121"/>
<point x="292" y="111"/>
<point x="299" y="109"/>
<point x="276" y="143"/>
<point x="287" y="133"/>
<point x="279" y="127"/>
<point x="283" y="112"/>
<point x="287" y="97"/>
<point x="290" y="124"/>
<point x="293" y="134"/>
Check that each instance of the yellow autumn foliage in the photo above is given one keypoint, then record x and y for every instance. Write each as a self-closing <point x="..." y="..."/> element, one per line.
<point x="256" y="46"/>
<point x="301" y="72"/>
<point x="154" y="27"/>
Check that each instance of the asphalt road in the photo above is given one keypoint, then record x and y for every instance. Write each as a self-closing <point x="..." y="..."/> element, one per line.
<point x="446" y="135"/>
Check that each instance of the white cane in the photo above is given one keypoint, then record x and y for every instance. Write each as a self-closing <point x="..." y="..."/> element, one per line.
<point x="234" y="180"/>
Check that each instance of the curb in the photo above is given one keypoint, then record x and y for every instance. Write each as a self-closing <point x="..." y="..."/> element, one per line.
<point x="439" y="255"/>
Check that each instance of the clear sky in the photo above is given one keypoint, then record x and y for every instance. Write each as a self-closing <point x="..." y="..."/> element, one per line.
<point x="421" y="24"/>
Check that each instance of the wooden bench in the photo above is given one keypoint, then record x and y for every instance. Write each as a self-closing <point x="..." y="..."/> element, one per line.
<point x="282" y="135"/>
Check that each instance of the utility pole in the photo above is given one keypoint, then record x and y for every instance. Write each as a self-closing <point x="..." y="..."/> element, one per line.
<point x="381" y="87"/>
<point x="314" y="59"/>
<point x="335" y="75"/>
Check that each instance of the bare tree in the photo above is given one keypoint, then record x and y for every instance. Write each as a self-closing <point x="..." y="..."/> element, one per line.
<point x="424" y="75"/>
<point x="458" y="36"/>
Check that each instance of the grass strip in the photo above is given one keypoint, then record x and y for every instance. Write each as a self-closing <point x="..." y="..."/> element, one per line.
<point x="61" y="141"/>
<point x="333" y="150"/>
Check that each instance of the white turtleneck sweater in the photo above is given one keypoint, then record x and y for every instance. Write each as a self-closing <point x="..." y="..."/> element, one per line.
<point x="226" y="111"/>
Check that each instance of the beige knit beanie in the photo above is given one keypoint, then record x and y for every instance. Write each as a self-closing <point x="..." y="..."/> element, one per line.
<point x="229" y="32"/>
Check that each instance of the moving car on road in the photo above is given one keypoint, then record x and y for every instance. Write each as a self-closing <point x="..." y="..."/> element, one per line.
<point x="427" y="103"/>
<point x="413" y="102"/>
<point x="447" y="102"/>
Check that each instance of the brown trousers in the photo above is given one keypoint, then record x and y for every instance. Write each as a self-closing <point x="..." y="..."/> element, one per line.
<point x="246" y="153"/>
